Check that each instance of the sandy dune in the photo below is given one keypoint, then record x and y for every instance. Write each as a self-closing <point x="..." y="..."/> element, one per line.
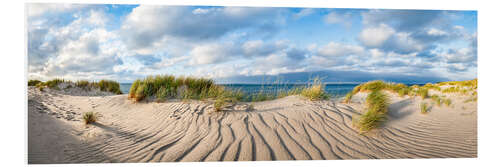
<point x="290" y="128"/>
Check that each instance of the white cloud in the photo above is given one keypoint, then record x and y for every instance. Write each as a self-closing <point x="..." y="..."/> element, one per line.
<point x="38" y="9"/>
<point x="210" y="54"/>
<point x="376" y="36"/>
<point x="336" y="18"/>
<point x="337" y="50"/>
<point x="303" y="13"/>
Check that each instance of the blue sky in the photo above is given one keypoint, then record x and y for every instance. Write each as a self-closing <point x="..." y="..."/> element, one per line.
<point x="126" y="42"/>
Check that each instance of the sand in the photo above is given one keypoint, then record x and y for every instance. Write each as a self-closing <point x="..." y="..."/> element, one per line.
<point x="290" y="128"/>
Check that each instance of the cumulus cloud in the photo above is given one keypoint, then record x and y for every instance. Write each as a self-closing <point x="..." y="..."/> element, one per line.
<point x="405" y="20"/>
<point x="334" y="49"/>
<point x="90" y="42"/>
<point x="146" y="25"/>
<point x="376" y="36"/>
<point x="211" y="53"/>
<point x="338" y="18"/>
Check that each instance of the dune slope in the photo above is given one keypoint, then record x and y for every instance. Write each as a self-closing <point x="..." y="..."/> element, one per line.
<point x="289" y="128"/>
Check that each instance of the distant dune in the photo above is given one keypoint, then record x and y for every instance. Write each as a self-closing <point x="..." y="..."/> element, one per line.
<point x="289" y="128"/>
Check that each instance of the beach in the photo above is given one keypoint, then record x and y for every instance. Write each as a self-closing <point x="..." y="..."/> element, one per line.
<point x="289" y="128"/>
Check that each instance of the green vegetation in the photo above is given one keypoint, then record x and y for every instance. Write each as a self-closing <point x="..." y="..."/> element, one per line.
<point x="53" y="84"/>
<point x="109" y="86"/>
<point x="400" y="89"/>
<point x="377" y="102"/>
<point x="162" y="87"/>
<point x="315" y="91"/>
<point x="437" y="99"/>
<point x="219" y="104"/>
<point x="89" y="117"/>
<point x="348" y="97"/>
<point x="167" y="86"/>
<point x="423" y="92"/>
<point x="432" y="86"/>
<point x="424" y="108"/>
<point x="33" y="82"/>
<point x="377" y="108"/>
<point x="447" y="102"/>
<point x="103" y="85"/>
<point x="468" y="83"/>
<point x="471" y="99"/>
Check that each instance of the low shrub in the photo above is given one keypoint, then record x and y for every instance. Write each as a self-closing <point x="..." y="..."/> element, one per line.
<point x="447" y="102"/>
<point x="89" y="117"/>
<point x="424" y="108"/>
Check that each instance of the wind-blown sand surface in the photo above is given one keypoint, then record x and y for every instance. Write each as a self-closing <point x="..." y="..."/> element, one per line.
<point x="289" y="128"/>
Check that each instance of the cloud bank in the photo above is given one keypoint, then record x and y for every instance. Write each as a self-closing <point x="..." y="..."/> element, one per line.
<point x="126" y="42"/>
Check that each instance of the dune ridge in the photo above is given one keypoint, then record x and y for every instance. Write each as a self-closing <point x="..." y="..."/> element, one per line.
<point x="289" y="128"/>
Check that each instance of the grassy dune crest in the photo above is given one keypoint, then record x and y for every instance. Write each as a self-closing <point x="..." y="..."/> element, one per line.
<point x="167" y="86"/>
<point x="163" y="87"/>
<point x="103" y="85"/>
<point x="377" y="101"/>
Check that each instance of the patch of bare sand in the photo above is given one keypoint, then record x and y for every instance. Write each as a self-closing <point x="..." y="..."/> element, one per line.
<point x="289" y="128"/>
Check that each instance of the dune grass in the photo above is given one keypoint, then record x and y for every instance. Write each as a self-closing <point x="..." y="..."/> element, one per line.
<point x="424" y="108"/>
<point x="168" y="86"/>
<point x="377" y="103"/>
<point x="437" y="100"/>
<point x="422" y="92"/>
<point x="33" y="82"/>
<point x="315" y="91"/>
<point x="161" y="87"/>
<point x="467" y="83"/>
<point x="447" y="102"/>
<point x="348" y="97"/>
<point x="103" y="85"/>
<point x="89" y="117"/>
<point x="378" y="85"/>
<point x="109" y="86"/>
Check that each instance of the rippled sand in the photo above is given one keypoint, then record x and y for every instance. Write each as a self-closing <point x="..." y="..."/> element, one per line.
<point x="290" y="128"/>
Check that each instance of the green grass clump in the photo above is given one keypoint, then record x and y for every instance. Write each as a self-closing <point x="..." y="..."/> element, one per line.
<point x="168" y="86"/>
<point x="471" y="99"/>
<point x="33" y="82"/>
<point x="422" y="92"/>
<point x="424" y="108"/>
<point x="369" y="120"/>
<point x="432" y="86"/>
<point x="467" y="83"/>
<point x="447" y="102"/>
<point x="83" y="84"/>
<point x="109" y="86"/>
<point x="53" y="84"/>
<point x="103" y="85"/>
<point x="89" y="117"/>
<point x="377" y="108"/>
<point x="348" y="97"/>
<point x="219" y="104"/>
<point x="315" y="91"/>
<point x="437" y="99"/>
<point x="40" y="86"/>
<point x="403" y="92"/>
<point x="373" y="86"/>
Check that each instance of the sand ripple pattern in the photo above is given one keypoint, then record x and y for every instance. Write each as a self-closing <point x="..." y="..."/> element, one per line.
<point x="285" y="129"/>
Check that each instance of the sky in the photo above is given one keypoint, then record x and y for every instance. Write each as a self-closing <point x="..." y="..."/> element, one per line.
<point x="240" y="44"/>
